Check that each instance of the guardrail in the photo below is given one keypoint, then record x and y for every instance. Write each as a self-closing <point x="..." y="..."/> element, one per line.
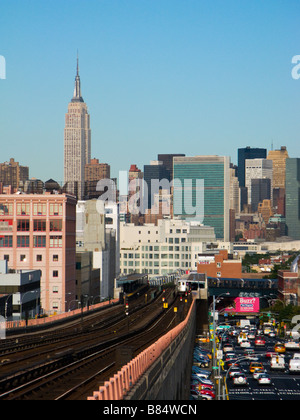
<point x="123" y="381"/>
<point x="58" y="317"/>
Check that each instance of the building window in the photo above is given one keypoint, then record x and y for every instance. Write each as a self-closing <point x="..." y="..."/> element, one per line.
<point x="55" y="305"/>
<point x="56" y="209"/>
<point x="23" y="209"/>
<point x="55" y="273"/>
<point x="55" y="225"/>
<point x="39" y="225"/>
<point x="23" y="258"/>
<point x="55" y="241"/>
<point x="6" y="258"/>
<point x="23" y="242"/>
<point x="55" y="289"/>
<point x="6" y="241"/>
<point x="39" y="209"/>
<point x="23" y="225"/>
<point x="6" y="209"/>
<point x="39" y="258"/>
<point x="55" y="258"/>
<point x="39" y="241"/>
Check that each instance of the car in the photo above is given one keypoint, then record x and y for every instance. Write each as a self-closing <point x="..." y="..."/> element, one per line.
<point x="279" y="348"/>
<point x="195" y="386"/>
<point x="250" y="354"/>
<point x="234" y="372"/>
<point x="260" y="342"/>
<point x="255" y="366"/>
<point x="208" y="393"/>
<point x="240" y="380"/>
<point x="264" y="379"/>
<point x="200" y="360"/>
<point x="201" y="373"/>
<point x="251" y="336"/>
<point x="232" y="363"/>
<point x="203" y="356"/>
<point x="294" y="365"/>
<point x="292" y="345"/>
<point x="228" y="348"/>
<point x="258" y="372"/>
<point x="271" y="354"/>
<point x="203" y="353"/>
<point x="245" y="344"/>
<point x="202" y="381"/>
<point x="230" y="356"/>
<point x="195" y="395"/>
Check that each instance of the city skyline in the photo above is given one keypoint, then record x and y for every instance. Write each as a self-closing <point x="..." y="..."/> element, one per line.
<point x="194" y="77"/>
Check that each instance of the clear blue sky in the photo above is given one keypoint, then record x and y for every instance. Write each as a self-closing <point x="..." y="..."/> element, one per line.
<point x="158" y="76"/>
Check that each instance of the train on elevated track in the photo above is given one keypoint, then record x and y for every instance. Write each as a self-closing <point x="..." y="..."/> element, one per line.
<point x="195" y="281"/>
<point x="190" y="282"/>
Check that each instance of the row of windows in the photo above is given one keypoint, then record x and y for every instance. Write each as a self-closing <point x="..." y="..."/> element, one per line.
<point x="165" y="247"/>
<point x="39" y="258"/>
<point x="150" y="270"/>
<point x="157" y="256"/>
<point x="39" y="225"/>
<point x="156" y="264"/>
<point x="24" y="241"/>
<point x="39" y="209"/>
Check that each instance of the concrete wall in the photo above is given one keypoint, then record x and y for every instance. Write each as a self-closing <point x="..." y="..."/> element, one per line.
<point x="169" y="377"/>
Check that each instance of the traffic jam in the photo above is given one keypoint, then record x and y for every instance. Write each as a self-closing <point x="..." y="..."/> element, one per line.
<point x="251" y="363"/>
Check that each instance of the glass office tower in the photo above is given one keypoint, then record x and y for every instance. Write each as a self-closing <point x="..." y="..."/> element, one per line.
<point x="202" y="185"/>
<point x="292" y="182"/>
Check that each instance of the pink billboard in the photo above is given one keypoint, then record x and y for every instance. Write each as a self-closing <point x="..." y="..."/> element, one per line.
<point x="247" y="304"/>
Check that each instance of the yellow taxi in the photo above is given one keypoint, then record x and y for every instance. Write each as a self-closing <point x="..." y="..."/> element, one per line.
<point x="254" y="366"/>
<point x="279" y="348"/>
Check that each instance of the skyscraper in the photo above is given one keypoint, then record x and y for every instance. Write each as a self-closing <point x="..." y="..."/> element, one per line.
<point x="292" y="182"/>
<point x="155" y="172"/>
<point x="258" y="169"/>
<point x="248" y="153"/>
<point x="279" y="161"/>
<point x="202" y="191"/>
<point x="77" y="142"/>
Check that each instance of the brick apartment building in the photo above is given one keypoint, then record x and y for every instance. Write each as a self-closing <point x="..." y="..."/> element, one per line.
<point x="219" y="265"/>
<point x="39" y="232"/>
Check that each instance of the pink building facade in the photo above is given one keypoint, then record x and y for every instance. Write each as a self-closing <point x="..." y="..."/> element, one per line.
<point x="39" y="232"/>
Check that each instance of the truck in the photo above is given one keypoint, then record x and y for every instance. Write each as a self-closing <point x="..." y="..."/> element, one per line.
<point x="244" y="323"/>
<point x="277" y="363"/>
<point x="294" y="365"/>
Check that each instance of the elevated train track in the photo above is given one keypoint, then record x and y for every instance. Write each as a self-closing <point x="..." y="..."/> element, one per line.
<point x="84" y="355"/>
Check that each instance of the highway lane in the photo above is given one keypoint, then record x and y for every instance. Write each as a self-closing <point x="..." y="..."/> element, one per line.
<point x="284" y="386"/>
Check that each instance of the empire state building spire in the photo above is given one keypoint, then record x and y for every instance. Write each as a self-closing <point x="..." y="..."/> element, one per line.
<point x="77" y="142"/>
<point x="77" y="90"/>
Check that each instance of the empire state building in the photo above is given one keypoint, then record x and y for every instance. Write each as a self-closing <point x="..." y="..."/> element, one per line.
<point x="77" y="142"/>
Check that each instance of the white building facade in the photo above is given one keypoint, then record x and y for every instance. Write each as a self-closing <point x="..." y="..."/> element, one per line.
<point x="158" y="250"/>
<point x="258" y="169"/>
